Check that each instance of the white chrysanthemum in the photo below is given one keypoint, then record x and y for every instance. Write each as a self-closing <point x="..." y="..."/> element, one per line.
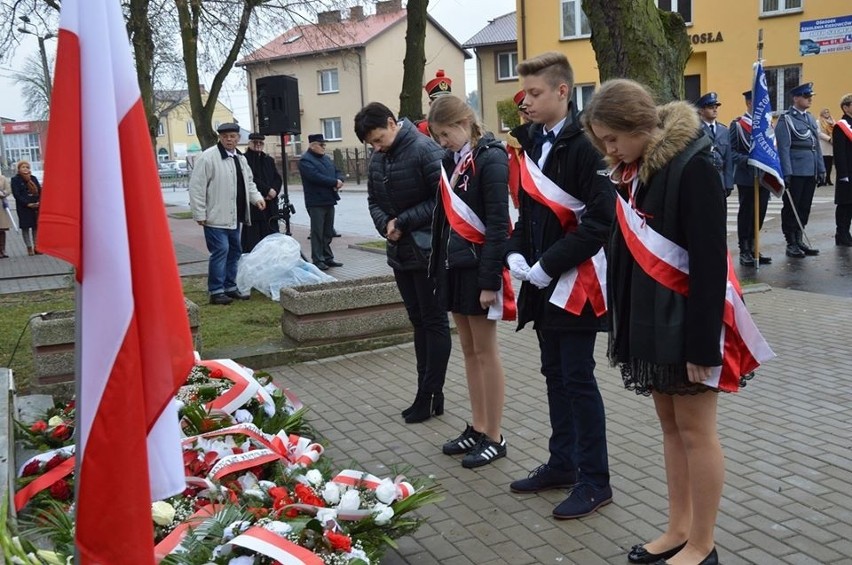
<point x="382" y="514"/>
<point x="235" y="529"/>
<point x="266" y="485"/>
<point x="326" y="515"/>
<point x="280" y="528"/>
<point x="331" y="493"/>
<point x="314" y="477"/>
<point x="243" y="416"/>
<point x="358" y="553"/>
<point x="350" y="500"/>
<point x="242" y="560"/>
<point x="386" y="491"/>
<point x="248" y="481"/>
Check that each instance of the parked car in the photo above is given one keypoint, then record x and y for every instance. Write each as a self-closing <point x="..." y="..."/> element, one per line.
<point x="173" y="168"/>
<point x="808" y="47"/>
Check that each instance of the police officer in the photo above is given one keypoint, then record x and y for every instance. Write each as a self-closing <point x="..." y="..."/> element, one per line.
<point x="739" y="135"/>
<point x="720" y="149"/>
<point x="797" y="135"/>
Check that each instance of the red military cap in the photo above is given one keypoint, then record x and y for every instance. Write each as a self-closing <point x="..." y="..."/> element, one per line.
<point x="439" y="85"/>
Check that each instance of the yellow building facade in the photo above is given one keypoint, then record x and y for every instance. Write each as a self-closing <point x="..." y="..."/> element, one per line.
<point x="804" y="41"/>
<point x="176" y="136"/>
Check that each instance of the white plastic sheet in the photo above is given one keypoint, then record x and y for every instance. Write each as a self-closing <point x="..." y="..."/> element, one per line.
<point x="274" y="263"/>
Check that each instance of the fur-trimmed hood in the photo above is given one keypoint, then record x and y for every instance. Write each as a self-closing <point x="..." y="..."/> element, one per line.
<point x="679" y="125"/>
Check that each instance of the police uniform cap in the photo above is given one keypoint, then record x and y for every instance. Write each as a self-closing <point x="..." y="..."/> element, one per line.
<point x="441" y="84"/>
<point x="256" y="137"/>
<point x="228" y="128"/>
<point x="806" y="89"/>
<point x="709" y="99"/>
<point x="747" y="94"/>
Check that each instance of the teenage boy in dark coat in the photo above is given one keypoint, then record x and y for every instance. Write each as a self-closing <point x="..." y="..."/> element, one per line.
<point x="539" y="252"/>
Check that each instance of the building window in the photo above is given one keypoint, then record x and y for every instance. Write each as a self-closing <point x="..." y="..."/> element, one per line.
<point x="161" y="129"/>
<point x="328" y="81"/>
<point x="504" y="126"/>
<point x="506" y="65"/>
<point x="682" y="7"/>
<point x="776" y="7"/>
<point x="331" y="129"/>
<point x="190" y="128"/>
<point x="780" y="80"/>
<point x="582" y="94"/>
<point x="575" y="24"/>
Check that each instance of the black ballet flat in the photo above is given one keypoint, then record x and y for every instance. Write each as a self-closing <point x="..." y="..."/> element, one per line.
<point x="711" y="559"/>
<point x="638" y="554"/>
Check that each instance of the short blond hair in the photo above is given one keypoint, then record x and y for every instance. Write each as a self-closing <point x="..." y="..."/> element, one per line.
<point x="553" y="66"/>
<point x="846" y="100"/>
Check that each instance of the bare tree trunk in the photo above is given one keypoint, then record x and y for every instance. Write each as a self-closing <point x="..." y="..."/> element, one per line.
<point x="410" y="98"/>
<point x="634" y="39"/>
<point x="141" y="37"/>
<point x="189" y="13"/>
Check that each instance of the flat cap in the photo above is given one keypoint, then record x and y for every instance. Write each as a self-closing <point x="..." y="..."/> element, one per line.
<point x="228" y="128"/>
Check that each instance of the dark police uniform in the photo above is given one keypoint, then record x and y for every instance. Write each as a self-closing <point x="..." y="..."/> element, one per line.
<point x="739" y="135"/>
<point x="797" y="135"/>
<point x="720" y="149"/>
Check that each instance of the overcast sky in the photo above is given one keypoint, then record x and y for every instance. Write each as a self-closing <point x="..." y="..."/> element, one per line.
<point x="461" y="18"/>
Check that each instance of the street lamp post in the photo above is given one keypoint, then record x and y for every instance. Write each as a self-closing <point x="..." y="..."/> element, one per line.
<point x="41" y="39"/>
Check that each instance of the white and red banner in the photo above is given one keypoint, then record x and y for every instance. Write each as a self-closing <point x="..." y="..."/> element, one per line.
<point x="102" y="211"/>
<point x="844" y="127"/>
<point x="741" y="344"/>
<point x="467" y="224"/>
<point x="587" y="281"/>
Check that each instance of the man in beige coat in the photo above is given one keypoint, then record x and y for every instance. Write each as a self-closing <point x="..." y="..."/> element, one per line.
<point x="220" y="190"/>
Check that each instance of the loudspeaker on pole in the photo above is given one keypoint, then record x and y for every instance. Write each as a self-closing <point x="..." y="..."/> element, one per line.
<point x="278" y="105"/>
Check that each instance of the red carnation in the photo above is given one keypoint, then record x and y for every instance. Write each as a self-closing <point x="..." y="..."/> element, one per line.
<point x="306" y="494"/>
<point x="54" y="462"/>
<point x="216" y="373"/>
<point x="339" y="541"/>
<point x="39" y="426"/>
<point x="31" y="468"/>
<point x="60" y="490"/>
<point x="61" y="432"/>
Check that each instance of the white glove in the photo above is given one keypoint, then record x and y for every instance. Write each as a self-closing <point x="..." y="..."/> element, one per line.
<point x="538" y="277"/>
<point x="518" y="266"/>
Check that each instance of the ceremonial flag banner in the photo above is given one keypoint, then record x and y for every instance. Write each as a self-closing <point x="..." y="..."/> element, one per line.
<point x="763" y="153"/>
<point x="102" y="211"/>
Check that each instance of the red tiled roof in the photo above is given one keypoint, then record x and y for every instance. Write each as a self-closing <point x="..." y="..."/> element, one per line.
<point x="313" y="38"/>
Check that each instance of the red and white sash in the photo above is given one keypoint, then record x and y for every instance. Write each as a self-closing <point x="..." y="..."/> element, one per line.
<point x="464" y="221"/>
<point x="844" y="127"/>
<point x="282" y="550"/>
<point x="743" y="348"/>
<point x="587" y="281"/>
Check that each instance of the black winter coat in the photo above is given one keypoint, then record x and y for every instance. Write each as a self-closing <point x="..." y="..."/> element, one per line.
<point x="402" y="184"/>
<point x="843" y="163"/>
<point x="27" y="217"/>
<point x="486" y="191"/>
<point x="575" y="166"/>
<point x="652" y="324"/>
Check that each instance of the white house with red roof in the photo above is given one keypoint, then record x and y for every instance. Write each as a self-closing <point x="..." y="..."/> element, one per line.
<point x="344" y="63"/>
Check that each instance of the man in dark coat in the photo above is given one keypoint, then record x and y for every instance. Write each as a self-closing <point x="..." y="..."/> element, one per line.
<point x="797" y="135"/>
<point x="402" y="184"/>
<point x="268" y="182"/>
<point x="540" y="252"/>
<point x="841" y="141"/>
<point x="320" y="180"/>
<point x="740" y="138"/>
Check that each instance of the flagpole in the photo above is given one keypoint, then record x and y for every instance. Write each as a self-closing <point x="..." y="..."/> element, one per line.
<point x="756" y="180"/>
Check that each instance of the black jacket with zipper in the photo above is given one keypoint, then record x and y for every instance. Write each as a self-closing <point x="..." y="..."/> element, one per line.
<point x="485" y="189"/>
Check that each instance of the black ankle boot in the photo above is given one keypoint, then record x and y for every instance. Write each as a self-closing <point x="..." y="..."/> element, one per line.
<point x="806" y="249"/>
<point x="408" y="410"/>
<point x="425" y="405"/>
<point x="793" y="249"/>
<point x="746" y="253"/>
<point x="843" y="239"/>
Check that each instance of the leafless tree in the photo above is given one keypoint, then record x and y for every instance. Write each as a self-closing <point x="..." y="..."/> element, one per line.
<point x="34" y="91"/>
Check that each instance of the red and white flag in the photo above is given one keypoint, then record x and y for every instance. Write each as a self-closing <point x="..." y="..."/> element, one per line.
<point x="102" y="211"/>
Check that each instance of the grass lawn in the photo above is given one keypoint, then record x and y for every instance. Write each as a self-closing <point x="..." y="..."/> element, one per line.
<point x="244" y="322"/>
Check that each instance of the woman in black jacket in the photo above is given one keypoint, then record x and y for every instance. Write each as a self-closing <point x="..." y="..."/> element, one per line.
<point x="469" y="233"/>
<point x="401" y="182"/>
<point x="668" y="285"/>
<point x="27" y="192"/>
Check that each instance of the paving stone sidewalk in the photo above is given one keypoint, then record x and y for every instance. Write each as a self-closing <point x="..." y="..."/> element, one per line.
<point x="787" y="439"/>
